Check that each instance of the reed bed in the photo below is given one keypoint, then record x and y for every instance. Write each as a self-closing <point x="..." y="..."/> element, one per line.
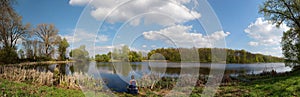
<point x="36" y="63"/>
<point x="158" y="82"/>
<point x="74" y="81"/>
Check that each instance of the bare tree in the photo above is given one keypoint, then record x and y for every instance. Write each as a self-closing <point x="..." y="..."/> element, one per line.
<point x="48" y="35"/>
<point x="11" y="30"/>
<point x="11" y="27"/>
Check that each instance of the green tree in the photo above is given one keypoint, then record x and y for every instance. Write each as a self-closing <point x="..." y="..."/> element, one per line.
<point x="125" y="53"/>
<point x="102" y="58"/>
<point x="80" y="54"/>
<point x="233" y="56"/>
<point x="243" y="56"/>
<point x="135" y="57"/>
<point x="288" y="12"/>
<point x="62" y="49"/>
<point x="256" y="59"/>
<point x="115" y="55"/>
<point x="8" y="55"/>
<point x="121" y="54"/>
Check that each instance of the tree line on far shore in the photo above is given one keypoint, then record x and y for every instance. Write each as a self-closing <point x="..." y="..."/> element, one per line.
<point x="187" y="55"/>
<point x="122" y="54"/>
<point x="205" y="55"/>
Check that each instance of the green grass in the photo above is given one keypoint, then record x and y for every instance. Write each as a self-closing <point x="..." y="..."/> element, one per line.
<point x="277" y="86"/>
<point x="18" y="89"/>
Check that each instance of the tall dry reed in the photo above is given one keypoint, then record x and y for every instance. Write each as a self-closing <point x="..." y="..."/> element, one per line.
<point x="75" y="81"/>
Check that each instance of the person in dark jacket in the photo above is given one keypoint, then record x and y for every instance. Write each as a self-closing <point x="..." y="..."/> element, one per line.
<point x="132" y="88"/>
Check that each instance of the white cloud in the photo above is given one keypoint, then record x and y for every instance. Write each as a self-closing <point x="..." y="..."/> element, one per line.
<point x="102" y="38"/>
<point x="78" y="2"/>
<point x="267" y="36"/>
<point x="144" y="46"/>
<point x="165" y="12"/>
<point x="144" y="52"/>
<point x="277" y="48"/>
<point x="182" y="37"/>
<point x="102" y="49"/>
<point x="251" y="43"/>
<point x="83" y="36"/>
<point x="265" y="33"/>
<point x="273" y="51"/>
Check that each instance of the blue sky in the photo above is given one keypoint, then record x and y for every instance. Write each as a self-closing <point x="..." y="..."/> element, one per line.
<point x="146" y="24"/>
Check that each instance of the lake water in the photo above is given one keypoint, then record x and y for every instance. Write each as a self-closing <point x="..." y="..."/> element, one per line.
<point x="117" y="75"/>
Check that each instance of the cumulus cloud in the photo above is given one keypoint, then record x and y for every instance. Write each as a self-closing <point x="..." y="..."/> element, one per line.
<point x="181" y="36"/>
<point x="78" y="2"/>
<point x="164" y="12"/>
<point x="251" y="43"/>
<point x="273" y="51"/>
<point x="102" y="38"/>
<point x="144" y="46"/>
<point x="267" y="36"/>
<point x="84" y="37"/>
<point x="103" y="49"/>
<point x="265" y="33"/>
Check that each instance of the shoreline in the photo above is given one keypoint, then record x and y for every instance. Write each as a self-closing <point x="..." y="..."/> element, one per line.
<point x="35" y="63"/>
<point x="184" y="62"/>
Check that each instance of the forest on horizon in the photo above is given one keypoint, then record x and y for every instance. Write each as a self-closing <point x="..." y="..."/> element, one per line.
<point x="174" y="55"/>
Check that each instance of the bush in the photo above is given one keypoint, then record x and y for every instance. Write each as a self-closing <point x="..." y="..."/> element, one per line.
<point x="43" y="58"/>
<point x="8" y="56"/>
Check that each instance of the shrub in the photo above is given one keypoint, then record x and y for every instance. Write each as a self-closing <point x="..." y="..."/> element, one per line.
<point x="8" y="56"/>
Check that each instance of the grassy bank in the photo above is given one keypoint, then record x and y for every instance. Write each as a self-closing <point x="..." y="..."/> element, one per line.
<point x="277" y="86"/>
<point x="15" y="89"/>
<point x="284" y="85"/>
<point x="10" y="88"/>
<point x="281" y="85"/>
<point x="19" y="82"/>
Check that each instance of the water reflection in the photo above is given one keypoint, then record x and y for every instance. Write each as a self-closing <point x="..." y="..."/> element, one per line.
<point x="126" y="69"/>
<point x="141" y="68"/>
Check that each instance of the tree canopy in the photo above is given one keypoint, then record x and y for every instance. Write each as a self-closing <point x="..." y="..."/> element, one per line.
<point x="123" y="54"/>
<point x="11" y="31"/>
<point x="62" y="49"/>
<point x="287" y="12"/>
<point x="205" y="55"/>
<point x="48" y="35"/>
<point x="80" y="54"/>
